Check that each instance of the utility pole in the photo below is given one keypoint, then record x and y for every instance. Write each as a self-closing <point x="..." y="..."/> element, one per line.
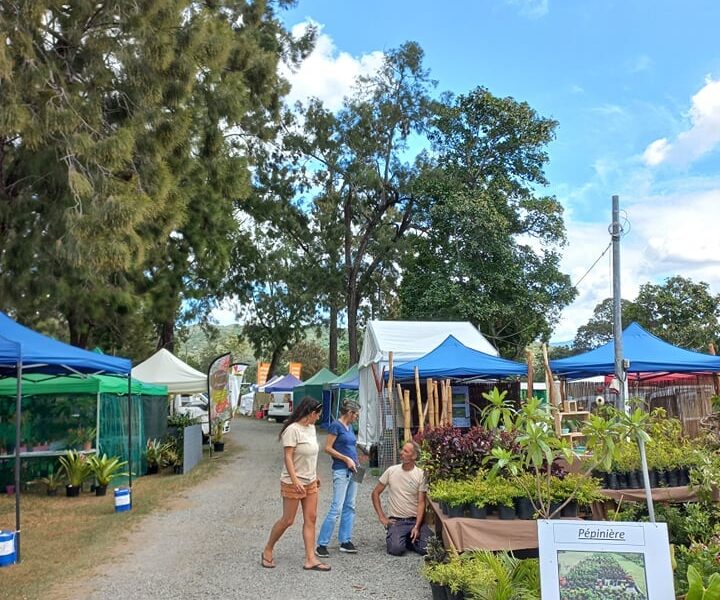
<point x="615" y="231"/>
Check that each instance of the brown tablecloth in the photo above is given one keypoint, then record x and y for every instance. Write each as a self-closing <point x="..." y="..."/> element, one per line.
<point x="672" y="495"/>
<point x="484" y="534"/>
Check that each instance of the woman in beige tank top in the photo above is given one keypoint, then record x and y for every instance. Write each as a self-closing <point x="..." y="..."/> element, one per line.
<point x="299" y="482"/>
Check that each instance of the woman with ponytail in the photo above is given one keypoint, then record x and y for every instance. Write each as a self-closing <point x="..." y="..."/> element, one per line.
<point x="299" y="482"/>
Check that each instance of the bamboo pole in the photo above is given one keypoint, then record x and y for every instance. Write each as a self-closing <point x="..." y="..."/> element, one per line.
<point x="450" y="402"/>
<point x="436" y="403"/>
<point x="549" y="378"/>
<point x="716" y="376"/>
<point x="407" y="416"/>
<point x="418" y="401"/>
<point x="530" y="375"/>
<point x="429" y="403"/>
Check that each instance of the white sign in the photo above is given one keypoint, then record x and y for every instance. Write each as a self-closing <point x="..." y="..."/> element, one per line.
<point x="604" y="559"/>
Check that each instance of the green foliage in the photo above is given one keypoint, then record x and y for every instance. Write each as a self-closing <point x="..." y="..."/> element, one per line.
<point x="702" y="559"/>
<point x="499" y="410"/>
<point x="75" y="467"/>
<point x="697" y="589"/>
<point x="510" y="578"/>
<point x="105" y="469"/>
<point x="155" y="452"/>
<point x="53" y="481"/>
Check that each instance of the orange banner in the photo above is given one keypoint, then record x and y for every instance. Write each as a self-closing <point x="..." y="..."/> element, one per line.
<point x="295" y="369"/>
<point x="262" y="372"/>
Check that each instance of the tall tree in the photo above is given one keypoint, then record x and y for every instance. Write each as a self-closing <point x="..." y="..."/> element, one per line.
<point x="123" y="133"/>
<point x="486" y="244"/>
<point x="599" y="329"/>
<point x="359" y="180"/>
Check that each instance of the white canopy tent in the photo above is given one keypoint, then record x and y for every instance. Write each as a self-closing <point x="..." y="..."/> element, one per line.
<point x="407" y="340"/>
<point x="166" y="368"/>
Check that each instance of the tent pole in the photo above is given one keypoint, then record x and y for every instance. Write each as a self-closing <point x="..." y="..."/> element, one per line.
<point x="18" y="436"/>
<point x="129" y="430"/>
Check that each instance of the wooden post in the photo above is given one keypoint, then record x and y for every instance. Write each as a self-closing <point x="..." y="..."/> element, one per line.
<point x="407" y="416"/>
<point x="549" y="379"/>
<point x="429" y="404"/>
<point x="530" y="375"/>
<point x="448" y="385"/>
<point x="418" y="401"/>
<point x="716" y="376"/>
<point x="436" y="403"/>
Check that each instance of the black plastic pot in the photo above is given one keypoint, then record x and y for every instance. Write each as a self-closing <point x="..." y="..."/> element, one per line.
<point x="478" y="512"/>
<point x="444" y="507"/>
<point x="662" y="478"/>
<point x="612" y="481"/>
<point x="52" y="492"/>
<point x="71" y="491"/>
<point x="506" y="512"/>
<point x="459" y="595"/>
<point x="525" y="509"/>
<point x="673" y="478"/>
<point x="554" y="506"/>
<point x="632" y="480"/>
<point x="653" y="478"/>
<point x="219" y="446"/>
<point x="456" y="511"/>
<point x="684" y="478"/>
<point x="152" y="469"/>
<point x="178" y="469"/>
<point x="439" y="592"/>
<point x="570" y="509"/>
<point x="622" y="482"/>
<point x="101" y="490"/>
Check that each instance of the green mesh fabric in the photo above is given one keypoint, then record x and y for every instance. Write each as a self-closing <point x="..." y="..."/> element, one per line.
<point x="113" y="434"/>
<point x="155" y="414"/>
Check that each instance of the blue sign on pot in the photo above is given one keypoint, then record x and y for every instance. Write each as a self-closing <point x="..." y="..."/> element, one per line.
<point x="7" y="548"/>
<point x="123" y="501"/>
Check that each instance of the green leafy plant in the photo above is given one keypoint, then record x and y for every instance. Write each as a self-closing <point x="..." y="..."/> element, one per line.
<point x="499" y="411"/>
<point x="697" y="589"/>
<point x="218" y="432"/>
<point x="155" y="451"/>
<point x="505" y="577"/>
<point x="75" y="468"/>
<point x="106" y="469"/>
<point x="705" y="476"/>
<point x="53" y="481"/>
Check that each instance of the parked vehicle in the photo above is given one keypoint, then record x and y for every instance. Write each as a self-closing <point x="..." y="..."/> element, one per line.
<point x="280" y="406"/>
<point x="196" y="406"/>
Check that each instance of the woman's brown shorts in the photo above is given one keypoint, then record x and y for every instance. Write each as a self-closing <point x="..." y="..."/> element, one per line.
<point x="287" y="490"/>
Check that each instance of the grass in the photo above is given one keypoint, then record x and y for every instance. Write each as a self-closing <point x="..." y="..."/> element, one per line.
<point x="64" y="537"/>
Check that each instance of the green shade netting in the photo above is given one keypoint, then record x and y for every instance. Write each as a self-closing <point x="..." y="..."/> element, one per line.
<point x="113" y="434"/>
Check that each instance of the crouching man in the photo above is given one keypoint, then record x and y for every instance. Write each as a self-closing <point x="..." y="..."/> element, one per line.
<point x="406" y="488"/>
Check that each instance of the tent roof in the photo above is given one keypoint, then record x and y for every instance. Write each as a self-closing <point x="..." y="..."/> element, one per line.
<point x="322" y="377"/>
<point x="409" y="340"/>
<point x="646" y="353"/>
<point x="165" y="368"/>
<point x="349" y="380"/>
<point x="284" y="384"/>
<point x="37" y="384"/>
<point x="453" y="359"/>
<point x="42" y="354"/>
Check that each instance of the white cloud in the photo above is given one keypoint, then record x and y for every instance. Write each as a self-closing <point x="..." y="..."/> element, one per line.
<point x="327" y="74"/>
<point x="701" y="137"/>
<point x="667" y="234"/>
<point x="533" y="9"/>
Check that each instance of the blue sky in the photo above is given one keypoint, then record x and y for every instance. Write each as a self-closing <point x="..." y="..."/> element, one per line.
<point x="634" y="85"/>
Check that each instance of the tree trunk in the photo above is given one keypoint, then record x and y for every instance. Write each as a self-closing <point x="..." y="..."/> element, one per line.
<point x="333" y="350"/>
<point x="167" y="336"/>
<point x="352" y="323"/>
<point x="274" y="361"/>
<point x="77" y="329"/>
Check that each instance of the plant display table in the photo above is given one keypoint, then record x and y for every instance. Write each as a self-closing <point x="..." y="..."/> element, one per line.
<point x="679" y="494"/>
<point x="484" y="534"/>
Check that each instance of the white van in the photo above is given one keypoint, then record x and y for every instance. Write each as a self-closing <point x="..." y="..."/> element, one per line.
<point x="196" y="406"/>
<point x="280" y="406"/>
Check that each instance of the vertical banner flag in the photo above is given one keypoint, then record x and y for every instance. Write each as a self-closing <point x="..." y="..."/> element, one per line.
<point x="262" y="372"/>
<point x="295" y="369"/>
<point x="218" y="388"/>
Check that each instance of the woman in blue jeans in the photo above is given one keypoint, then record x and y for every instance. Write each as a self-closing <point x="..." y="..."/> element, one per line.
<point x="341" y="445"/>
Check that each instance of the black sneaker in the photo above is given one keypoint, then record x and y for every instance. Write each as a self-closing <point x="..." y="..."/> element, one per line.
<point x="322" y="552"/>
<point x="348" y="547"/>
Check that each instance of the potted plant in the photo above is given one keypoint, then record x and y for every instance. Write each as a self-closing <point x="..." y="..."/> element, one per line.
<point x="218" y="434"/>
<point x="53" y="481"/>
<point x="154" y="455"/>
<point x="105" y="470"/>
<point x="76" y="470"/>
<point x="172" y="458"/>
<point x="502" y="493"/>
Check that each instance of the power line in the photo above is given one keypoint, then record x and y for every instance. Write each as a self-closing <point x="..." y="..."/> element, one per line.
<point x="604" y="252"/>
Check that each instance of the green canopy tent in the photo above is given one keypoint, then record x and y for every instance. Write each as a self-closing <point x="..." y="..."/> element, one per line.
<point x="57" y="404"/>
<point x="313" y="387"/>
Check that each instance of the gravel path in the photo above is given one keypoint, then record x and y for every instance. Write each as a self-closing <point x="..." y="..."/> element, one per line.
<point x="208" y="544"/>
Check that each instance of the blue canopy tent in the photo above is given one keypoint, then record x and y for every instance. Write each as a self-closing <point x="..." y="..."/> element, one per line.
<point x="452" y="359"/>
<point x="23" y="350"/>
<point x="284" y="384"/>
<point x="647" y="354"/>
<point x="343" y="387"/>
